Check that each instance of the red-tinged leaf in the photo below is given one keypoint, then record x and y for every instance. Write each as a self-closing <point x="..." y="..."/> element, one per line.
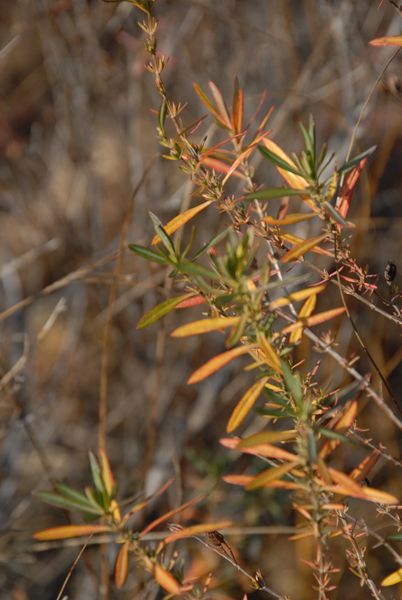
<point x="69" y="531"/>
<point x="121" y="568"/>
<point x="181" y="220"/>
<point x="345" y="197"/>
<point x="137" y="507"/>
<point x="245" y="404"/>
<point x="269" y="475"/>
<point x="196" y="530"/>
<point x="217" y="362"/>
<point x="205" y="326"/>
<point x="294" y="239"/>
<point x="238" y="108"/>
<point x="221" y="105"/>
<point x="315" y="319"/>
<point x="221" y="167"/>
<point x="363" y="469"/>
<point x="393" y="578"/>
<point x="238" y="479"/>
<point x="290" y="219"/>
<point x="301" y="249"/>
<point x="169" y="514"/>
<point x="297" y="296"/>
<point x="395" y="40"/>
<point x="193" y="301"/>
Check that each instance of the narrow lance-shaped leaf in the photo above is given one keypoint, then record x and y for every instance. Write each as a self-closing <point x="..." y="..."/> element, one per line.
<point x="221" y="105"/>
<point x="272" y="193"/>
<point x="207" y="102"/>
<point x="303" y="248"/>
<point x="305" y="311"/>
<point x="204" y="326"/>
<point x="196" y="530"/>
<point x="315" y="319"/>
<point x="149" y="254"/>
<point x="160" y="310"/>
<point x="216" y="363"/>
<point x="121" y="568"/>
<point x="245" y="404"/>
<point x="69" y="531"/>
<point x="296" y="296"/>
<point x="278" y="161"/>
<point x="269" y="475"/>
<point x="181" y="220"/>
<point x="82" y="505"/>
<point x="267" y="437"/>
<point x="169" y="514"/>
<point x="271" y="357"/>
<point x="393" y="578"/>
<point x="290" y="219"/>
<point x="392" y="40"/>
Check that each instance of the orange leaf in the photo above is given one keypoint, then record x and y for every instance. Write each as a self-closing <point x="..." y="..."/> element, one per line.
<point x="238" y="108"/>
<point x="290" y="219"/>
<point x="296" y="296"/>
<point x="269" y="475"/>
<point x="245" y="404"/>
<point x="216" y="363"/>
<point x="195" y="530"/>
<point x="193" y="301"/>
<point x="303" y="248"/>
<point x="295" y="181"/>
<point x="387" y="41"/>
<point x="166" y="580"/>
<point x="238" y="479"/>
<point x="120" y="572"/>
<point x="169" y="514"/>
<point x="204" y="326"/>
<point x="181" y="219"/>
<point x="346" y="420"/>
<point x="362" y="470"/>
<point x="221" y="105"/>
<point x="315" y="319"/>
<point x="294" y="239"/>
<point x="69" y="531"/>
<point x="267" y="437"/>
<point x="221" y="167"/>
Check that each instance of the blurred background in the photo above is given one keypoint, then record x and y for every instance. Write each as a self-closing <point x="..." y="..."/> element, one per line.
<point x="77" y="134"/>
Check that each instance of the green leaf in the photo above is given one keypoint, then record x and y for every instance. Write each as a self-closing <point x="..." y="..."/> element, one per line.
<point x="397" y="537"/>
<point x="149" y="254"/>
<point x="278" y="161"/>
<point x="213" y="242"/>
<point x="191" y="268"/>
<point x="96" y="474"/>
<point x="163" y="235"/>
<point x="334" y="435"/>
<point x="160" y="310"/>
<point x="271" y="412"/>
<point x="292" y="383"/>
<point x="271" y="193"/>
<point x="68" y="503"/>
<point x="70" y="493"/>
<point x="348" y="166"/>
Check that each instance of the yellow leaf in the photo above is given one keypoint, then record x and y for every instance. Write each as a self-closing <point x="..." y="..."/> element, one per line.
<point x="379" y="496"/>
<point x="204" y="326"/>
<point x="181" y="219"/>
<point x="305" y="312"/>
<point x="267" y="437"/>
<point x="270" y="475"/>
<point x="302" y="248"/>
<point x="120" y="572"/>
<point x="387" y="41"/>
<point x="290" y="219"/>
<point x="295" y="239"/>
<point x="245" y="404"/>
<point x="69" y="531"/>
<point x="196" y="530"/>
<point x="109" y="482"/>
<point x="217" y="362"/>
<point x="270" y="354"/>
<point x="392" y="578"/>
<point x="296" y="296"/>
<point x="295" y="181"/>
